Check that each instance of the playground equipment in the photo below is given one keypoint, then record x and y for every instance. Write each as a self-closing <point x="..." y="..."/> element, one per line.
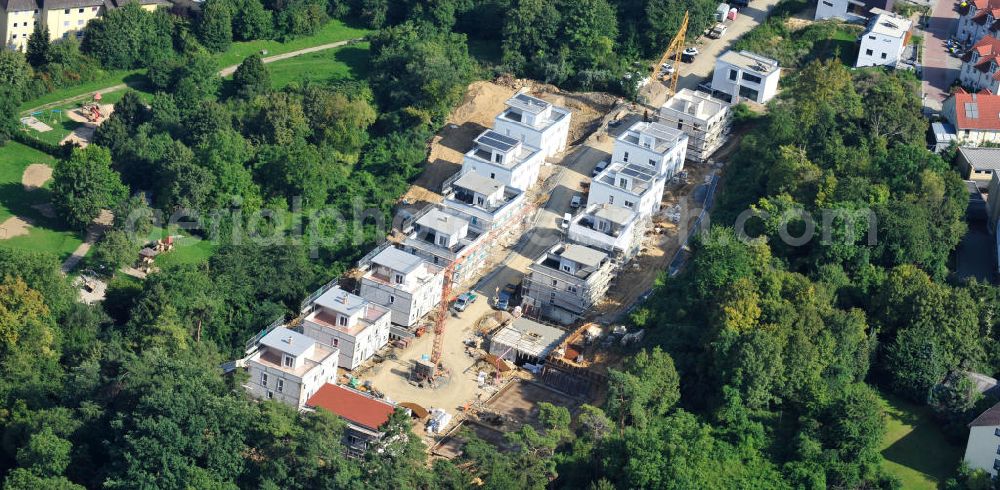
<point x="92" y="111"/>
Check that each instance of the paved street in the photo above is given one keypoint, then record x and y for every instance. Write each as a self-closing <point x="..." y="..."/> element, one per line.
<point x="940" y="69"/>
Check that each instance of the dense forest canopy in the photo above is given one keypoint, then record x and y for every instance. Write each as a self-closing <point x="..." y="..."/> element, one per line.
<point x="764" y="359"/>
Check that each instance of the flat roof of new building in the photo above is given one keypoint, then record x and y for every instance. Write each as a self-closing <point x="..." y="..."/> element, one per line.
<point x="615" y="214"/>
<point x="478" y="183"/>
<point x="341" y="301"/>
<point x="664" y="137"/>
<point x="583" y="255"/>
<point x="642" y="177"/>
<point x="750" y="62"/>
<point x="981" y="158"/>
<point x="698" y="104"/>
<point x="352" y="406"/>
<point x="496" y="141"/>
<point x="528" y="103"/>
<point x="530" y="337"/>
<point x="888" y="24"/>
<point x="397" y="260"/>
<point x="288" y="341"/>
<point x="441" y="221"/>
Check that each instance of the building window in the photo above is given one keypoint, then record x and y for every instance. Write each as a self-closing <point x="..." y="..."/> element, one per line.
<point x="65" y="23"/>
<point x="443" y="241"/>
<point x="625" y="157"/>
<point x="480" y="201"/>
<point x="623" y="183"/>
<point x="751" y="78"/>
<point x="336" y="342"/>
<point x="80" y="12"/>
<point x="13" y="36"/>
<point x="270" y="395"/>
<point x="498" y="158"/>
<point x="884" y="55"/>
<point x="828" y="4"/>
<point x="652" y="162"/>
<point x="493" y="175"/>
<point x="399" y="279"/>
<point x="732" y="74"/>
<point x="287" y="360"/>
<point x="996" y="464"/>
<point x="66" y="11"/>
<point x="629" y="204"/>
<point x="15" y="24"/>
<point x="566" y="268"/>
<point x="79" y="22"/>
<point x="281" y="385"/>
<point x="263" y="379"/>
<point x="871" y="37"/>
<point x="996" y="432"/>
<point x="392" y="299"/>
<point x="571" y="289"/>
<point x="680" y="124"/>
<point x="342" y="320"/>
<point x="611" y="199"/>
<point x="869" y="52"/>
<point x="554" y="283"/>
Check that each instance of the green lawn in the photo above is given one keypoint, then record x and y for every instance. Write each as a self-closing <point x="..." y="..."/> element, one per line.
<point x="914" y="448"/>
<point x="349" y="62"/>
<point x="62" y="125"/>
<point x="46" y="234"/>
<point x="332" y="32"/>
<point x="187" y="249"/>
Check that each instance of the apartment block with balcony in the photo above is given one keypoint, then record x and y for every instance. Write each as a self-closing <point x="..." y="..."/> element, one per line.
<point x="440" y="238"/>
<point x="350" y="323"/>
<point x="405" y="284"/>
<point x="628" y="185"/>
<point x="504" y="158"/>
<point x="654" y="146"/>
<point x="742" y="75"/>
<point x="290" y="367"/>
<point x="486" y="203"/>
<point x="566" y="281"/>
<point x="705" y="119"/>
<point x="535" y="122"/>
<point x="612" y="229"/>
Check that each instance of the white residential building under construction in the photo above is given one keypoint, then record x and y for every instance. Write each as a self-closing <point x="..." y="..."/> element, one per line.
<point x="441" y="238"/>
<point x="505" y="159"/>
<point x="353" y="325"/>
<point x="566" y="281"/>
<point x="615" y="230"/>
<point x="652" y="146"/>
<point x="289" y="367"/>
<point x="628" y="185"/>
<point x="406" y="284"/>
<point x="535" y="122"/>
<point x="705" y="119"/>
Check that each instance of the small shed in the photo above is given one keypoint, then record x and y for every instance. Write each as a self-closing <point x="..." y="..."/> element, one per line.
<point x="721" y="12"/>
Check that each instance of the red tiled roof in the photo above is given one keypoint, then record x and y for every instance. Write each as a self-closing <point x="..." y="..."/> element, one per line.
<point x="976" y="111"/>
<point x="352" y="406"/>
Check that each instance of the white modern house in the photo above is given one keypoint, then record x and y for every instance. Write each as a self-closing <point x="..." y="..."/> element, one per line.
<point x="632" y="186"/>
<point x="883" y="42"/>
<point x="486" y="203"/>
<point x="658" y="148"/>
<point x="505" y="159"/>
<point x="566" y="281"/>
<point x="440" y="238"/>
<point x="404" y="283"/>
<point x="849" y="10"/>
<point x="615" y="230"/>
<point x="289" y="367"/>
<point x="981" y="66"/>
<point x="977" y="19"/>
<point x="535" y="122"/>
<point x="975" y="117"/>
<point x="353" y="325"/>
<point x="982" y="451"/>
<point x="704" y="118"/>
<point x="745" y="75"/>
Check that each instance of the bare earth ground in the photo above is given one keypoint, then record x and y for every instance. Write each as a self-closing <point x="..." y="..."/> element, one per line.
<point x="82" y="135"/>
<point x="14" y="226"/>
<point x="35" y="176"/>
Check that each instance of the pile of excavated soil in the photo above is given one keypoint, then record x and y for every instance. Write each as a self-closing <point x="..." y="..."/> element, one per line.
<point x="35" y="176"/>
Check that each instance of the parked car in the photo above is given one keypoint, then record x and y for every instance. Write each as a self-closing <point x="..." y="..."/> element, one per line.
<point x="575" y="201"/>
<point x="667" y="69"/>
<point x="464" y="300"/>
<point x="718" y="30"/>
<point x="564" y="224"/>
<point x="689" y="54"/>
<point x="599" y="168"/>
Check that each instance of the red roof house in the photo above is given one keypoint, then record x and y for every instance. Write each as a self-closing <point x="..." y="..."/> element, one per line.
<point x="353" y="406"/>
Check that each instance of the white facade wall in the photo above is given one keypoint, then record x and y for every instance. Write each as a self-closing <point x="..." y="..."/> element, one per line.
<point x="981" y="451"/>
<point x="664" y="165"/>
<point x="17" y="27"/>
<point x="976" y="79"/>
<point x="969" y="30"/>
<point x="521" y="177"/>
<point x="879" y="49"/>
<point x="64" y="22"/>
<point x="408" y="303"/>
<point x="354" y="349"/>
<point x="738" y="82"/>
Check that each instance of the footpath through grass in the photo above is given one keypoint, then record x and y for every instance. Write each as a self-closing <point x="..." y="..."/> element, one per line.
<point x="332" y="32"/>
<point x="914" y="448"/>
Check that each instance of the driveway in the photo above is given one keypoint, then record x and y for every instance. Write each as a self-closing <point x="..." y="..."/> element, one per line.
<point x="940" y="69"/>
